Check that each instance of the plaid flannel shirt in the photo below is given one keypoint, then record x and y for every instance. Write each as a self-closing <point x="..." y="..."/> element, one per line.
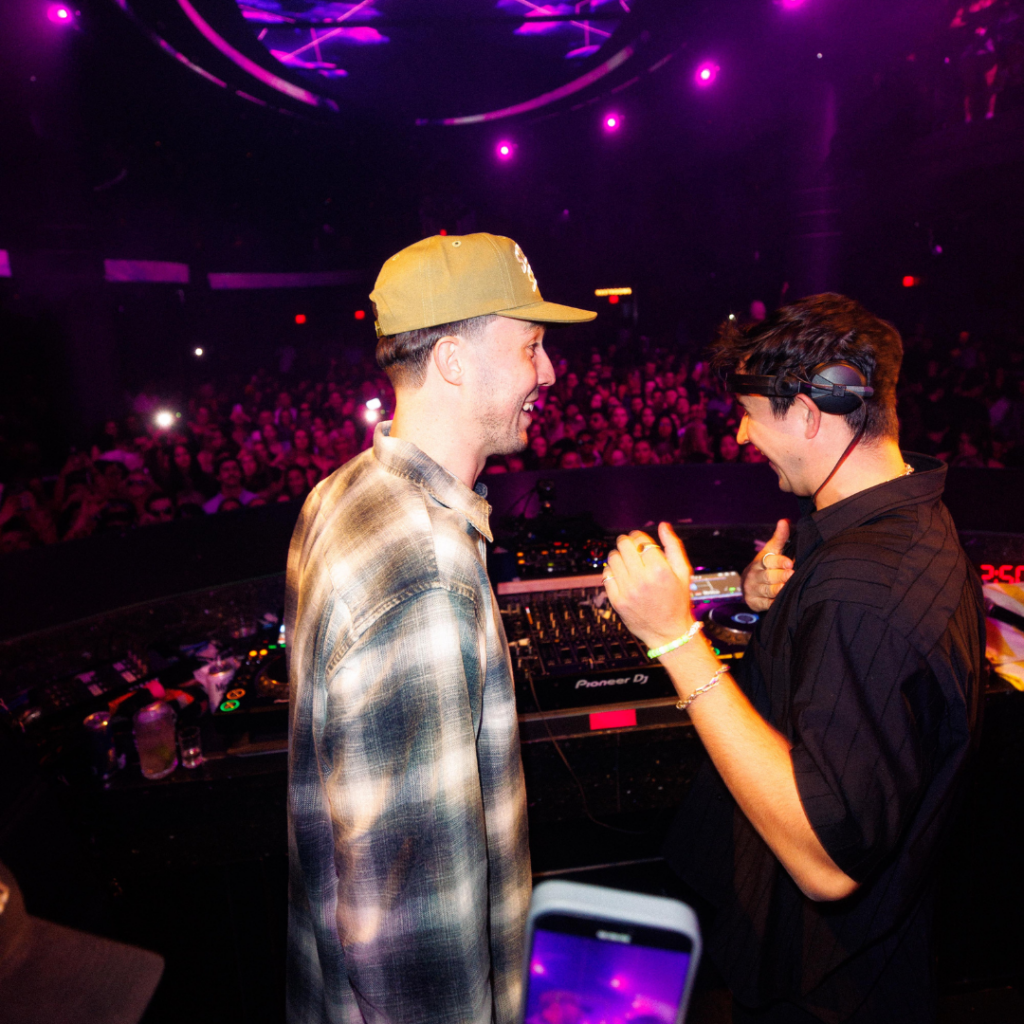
<point x="409" y="870"/>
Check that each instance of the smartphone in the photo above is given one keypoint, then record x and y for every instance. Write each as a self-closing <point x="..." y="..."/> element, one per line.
<point x="595" y="954"/>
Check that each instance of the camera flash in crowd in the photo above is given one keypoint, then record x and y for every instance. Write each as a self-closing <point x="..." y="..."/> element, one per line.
<point x="164" y="419"/>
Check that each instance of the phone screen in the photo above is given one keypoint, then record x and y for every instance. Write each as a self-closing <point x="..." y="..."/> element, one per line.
<point x="587" y="971"/>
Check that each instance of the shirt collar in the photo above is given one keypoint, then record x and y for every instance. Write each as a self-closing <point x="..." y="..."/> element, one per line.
<point x="924" y="485"/>
<point x="404" y="459"/>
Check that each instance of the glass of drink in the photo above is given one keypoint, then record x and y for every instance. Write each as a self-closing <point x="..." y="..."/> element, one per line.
<point x="191" y="746"/>
<point x="155" y="740"/>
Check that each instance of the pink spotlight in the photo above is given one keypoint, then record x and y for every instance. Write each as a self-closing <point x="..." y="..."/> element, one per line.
<point x="792" y="5"/>
<point x="504" y="150"/>
<point x="612" y="122"/>
<point x="59" y="14"/>
<point x="706" y="74"/>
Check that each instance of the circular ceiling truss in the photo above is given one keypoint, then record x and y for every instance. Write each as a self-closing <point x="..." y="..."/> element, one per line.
<point x="422" y="62"/>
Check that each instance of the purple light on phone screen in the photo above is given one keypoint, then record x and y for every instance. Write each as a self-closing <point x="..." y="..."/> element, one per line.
<point x="604" y="980"/>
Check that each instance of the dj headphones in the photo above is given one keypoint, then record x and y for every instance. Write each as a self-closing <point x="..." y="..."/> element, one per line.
<point x="837" y="387"/>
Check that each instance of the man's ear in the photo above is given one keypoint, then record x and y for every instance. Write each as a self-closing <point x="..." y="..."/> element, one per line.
<point x="811" y="415"/>
<point x="449" y="358"/>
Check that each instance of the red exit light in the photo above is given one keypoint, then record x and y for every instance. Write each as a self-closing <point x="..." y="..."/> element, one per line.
<point x="911" y="282"/>
<point x="300" y="318"/>
<point x="360" y="314"/>
<point x="613" y="299"/>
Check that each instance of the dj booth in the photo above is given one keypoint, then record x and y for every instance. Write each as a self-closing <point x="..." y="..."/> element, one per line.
<point x="607" y="755"/>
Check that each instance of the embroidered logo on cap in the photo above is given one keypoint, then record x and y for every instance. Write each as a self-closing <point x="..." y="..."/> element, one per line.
<point x="524" y="264"/>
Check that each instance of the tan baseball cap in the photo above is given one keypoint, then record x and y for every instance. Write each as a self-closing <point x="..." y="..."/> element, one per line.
<point x="446" y="278"/>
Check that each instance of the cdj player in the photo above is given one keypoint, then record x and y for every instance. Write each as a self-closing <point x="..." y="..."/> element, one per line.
<point x="253" y="716"/>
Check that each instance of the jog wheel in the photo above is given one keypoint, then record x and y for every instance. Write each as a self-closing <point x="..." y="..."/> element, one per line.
<point x="272" y="678"/>
<point x="732" y="623"/>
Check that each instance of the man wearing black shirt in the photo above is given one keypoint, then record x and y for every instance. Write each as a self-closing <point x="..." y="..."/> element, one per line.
<point x="837" y="748"/>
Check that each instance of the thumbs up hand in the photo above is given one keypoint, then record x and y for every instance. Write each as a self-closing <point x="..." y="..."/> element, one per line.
<point x="768" y="573"/>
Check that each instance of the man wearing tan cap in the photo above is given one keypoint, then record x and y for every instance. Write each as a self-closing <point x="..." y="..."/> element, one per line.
<point x="409" y="864"/>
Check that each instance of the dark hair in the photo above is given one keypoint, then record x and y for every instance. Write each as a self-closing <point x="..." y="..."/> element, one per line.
<point x="227" y="458"/>
<point x="403" y="357"/>
<point x="820" y="329"/>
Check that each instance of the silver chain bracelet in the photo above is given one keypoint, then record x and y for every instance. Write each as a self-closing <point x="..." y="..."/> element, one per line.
<point x="683" y="704"/>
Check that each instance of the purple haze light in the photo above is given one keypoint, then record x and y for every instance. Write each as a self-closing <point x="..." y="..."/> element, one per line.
<point x="792" y="5"/>
<point x="504" y="150"/>
<point x="60" y="14"/>
<point x="612" y="122"/>
<point x="706" y="74"/>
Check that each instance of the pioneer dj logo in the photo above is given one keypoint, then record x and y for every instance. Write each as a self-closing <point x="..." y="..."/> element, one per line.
<point x="588" y="684"/>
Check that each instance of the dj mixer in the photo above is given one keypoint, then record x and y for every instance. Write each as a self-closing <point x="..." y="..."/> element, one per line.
<point x="570" y="650"/>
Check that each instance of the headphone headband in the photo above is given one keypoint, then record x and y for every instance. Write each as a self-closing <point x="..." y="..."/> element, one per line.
<point x="836" y="387"/>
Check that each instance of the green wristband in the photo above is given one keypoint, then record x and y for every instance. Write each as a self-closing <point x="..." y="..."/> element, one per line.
<point x="657" y="652"/>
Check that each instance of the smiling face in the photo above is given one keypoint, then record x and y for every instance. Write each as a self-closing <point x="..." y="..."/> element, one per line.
<point x="509" y="367"/>
<point x="779" y="438"/>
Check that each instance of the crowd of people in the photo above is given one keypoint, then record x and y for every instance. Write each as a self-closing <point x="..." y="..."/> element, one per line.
<point x="273" y="438"/>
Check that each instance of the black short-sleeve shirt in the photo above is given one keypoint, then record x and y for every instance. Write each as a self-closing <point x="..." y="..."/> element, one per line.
<point x="870" y="663"/>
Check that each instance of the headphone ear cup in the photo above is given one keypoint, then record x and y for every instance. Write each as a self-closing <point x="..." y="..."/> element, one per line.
<point x="838" y="405"/>
<point x="825" y="377"/>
